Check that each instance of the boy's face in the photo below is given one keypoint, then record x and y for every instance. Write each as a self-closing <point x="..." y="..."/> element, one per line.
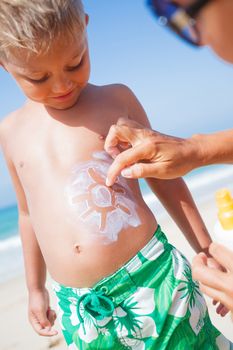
<point x="56" y="78"/>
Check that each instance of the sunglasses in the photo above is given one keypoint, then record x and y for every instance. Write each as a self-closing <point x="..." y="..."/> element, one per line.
<point x="181" y="20"/>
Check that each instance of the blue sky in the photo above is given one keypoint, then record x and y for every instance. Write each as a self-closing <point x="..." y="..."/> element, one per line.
<point x="183" y="90"/>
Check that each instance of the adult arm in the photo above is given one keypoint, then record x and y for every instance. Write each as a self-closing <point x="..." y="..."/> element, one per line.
<point x="165" y="157"/>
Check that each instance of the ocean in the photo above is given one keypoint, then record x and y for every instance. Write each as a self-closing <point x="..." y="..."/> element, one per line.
<point x="203" y="183"/>
<point x="11" y="260"/>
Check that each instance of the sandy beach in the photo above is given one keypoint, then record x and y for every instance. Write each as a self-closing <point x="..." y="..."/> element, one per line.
<point x="16" y="332"/>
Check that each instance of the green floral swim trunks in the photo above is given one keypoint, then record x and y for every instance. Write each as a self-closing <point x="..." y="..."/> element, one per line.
<point x="151" y="302"/>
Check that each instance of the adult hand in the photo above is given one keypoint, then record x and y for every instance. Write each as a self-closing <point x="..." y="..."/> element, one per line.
<point x="216" y="284"/>
<point x="152" y="154"/>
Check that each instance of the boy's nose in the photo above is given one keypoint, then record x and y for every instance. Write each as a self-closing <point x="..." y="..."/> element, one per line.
<point x="62" y="86"/>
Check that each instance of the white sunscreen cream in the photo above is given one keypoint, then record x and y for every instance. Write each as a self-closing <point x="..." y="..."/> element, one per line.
<point x="106" y="210"/>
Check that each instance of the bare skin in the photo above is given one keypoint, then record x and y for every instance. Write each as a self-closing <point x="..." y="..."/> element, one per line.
<point x="146" y="156"/>
<point x="152" y="154"/>
<point x="217" y="284"/>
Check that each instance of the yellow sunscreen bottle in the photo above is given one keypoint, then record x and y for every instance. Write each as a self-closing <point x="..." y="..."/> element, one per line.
<point x="224" y="227"/>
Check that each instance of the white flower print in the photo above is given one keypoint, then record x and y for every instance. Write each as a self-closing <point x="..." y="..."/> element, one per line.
<point x="132" y="319"/>
<point x="56" y="287"/>
<point x="187" y="295"/>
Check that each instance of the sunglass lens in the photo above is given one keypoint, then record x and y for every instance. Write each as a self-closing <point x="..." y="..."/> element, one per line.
<point x="176" y="18"/>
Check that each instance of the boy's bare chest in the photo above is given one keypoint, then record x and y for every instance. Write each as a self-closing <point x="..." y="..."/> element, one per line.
<point x="64" y="176"/>
<point x="48" y="156"/>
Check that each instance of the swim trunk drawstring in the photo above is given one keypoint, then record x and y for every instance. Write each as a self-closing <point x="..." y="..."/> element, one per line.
<point x="96" y="304"/>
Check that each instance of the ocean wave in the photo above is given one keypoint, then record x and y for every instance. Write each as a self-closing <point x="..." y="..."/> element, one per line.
<point x="202" y="186"/>
<point x="11" y="258"/>
<point x="223" y="176"/>
<point x="10" y="243"/>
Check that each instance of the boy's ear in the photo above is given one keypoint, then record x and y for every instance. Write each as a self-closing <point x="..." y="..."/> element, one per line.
<point x="86" y="19"/>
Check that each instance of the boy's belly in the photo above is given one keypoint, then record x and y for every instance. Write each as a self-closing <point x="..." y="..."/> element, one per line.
<point x="83" y="265"/>
<point x="85" y="229"/>
<point x="80" y="258"/>
<point x="80" y="252"/>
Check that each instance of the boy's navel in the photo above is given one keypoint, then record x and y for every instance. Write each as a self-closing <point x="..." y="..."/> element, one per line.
<point x="21" y="164"/>
<point x="77" y="249"/>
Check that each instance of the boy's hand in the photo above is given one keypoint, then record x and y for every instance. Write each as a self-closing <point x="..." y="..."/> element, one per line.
<point x="40" y="315"/>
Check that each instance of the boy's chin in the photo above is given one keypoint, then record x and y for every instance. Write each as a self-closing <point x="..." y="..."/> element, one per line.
<point x="62" y="105"/>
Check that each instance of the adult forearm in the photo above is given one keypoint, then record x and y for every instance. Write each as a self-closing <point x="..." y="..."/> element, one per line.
<point x="35" y="267"/>
<point x="214" y="148"/>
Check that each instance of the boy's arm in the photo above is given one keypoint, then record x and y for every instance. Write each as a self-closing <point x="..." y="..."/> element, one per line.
<point x="33" y="260"/>
<point x="173" y="194"/>
<point x="176" y="198"/>
<point x="40" y="314"/>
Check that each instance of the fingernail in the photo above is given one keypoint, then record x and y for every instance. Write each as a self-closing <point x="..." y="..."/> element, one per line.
<point x="127" y="172"/>
<point x="108" y="182"/>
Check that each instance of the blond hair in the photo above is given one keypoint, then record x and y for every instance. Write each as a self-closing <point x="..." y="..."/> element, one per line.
<point x="34" y="24"/>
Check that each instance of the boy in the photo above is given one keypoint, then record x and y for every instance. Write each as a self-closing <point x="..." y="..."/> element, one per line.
<point x="119" y="283"/>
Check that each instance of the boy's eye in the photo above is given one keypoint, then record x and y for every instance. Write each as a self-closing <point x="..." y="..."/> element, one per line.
<point x="37" y="81"/>
<point x="76" y="67"/>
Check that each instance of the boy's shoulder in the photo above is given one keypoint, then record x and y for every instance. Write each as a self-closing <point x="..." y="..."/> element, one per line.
<point x="121" y="95"/>
<point x="9" y="124"/>
<point x="117" y="90"/>
<point x="115" y="94"/>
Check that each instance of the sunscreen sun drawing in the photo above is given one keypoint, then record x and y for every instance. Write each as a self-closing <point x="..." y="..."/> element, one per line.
<point x="106" y="210"/>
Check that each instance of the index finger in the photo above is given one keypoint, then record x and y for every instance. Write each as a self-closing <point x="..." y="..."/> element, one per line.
<point x="222" y="254"/>
<point x="124" y="159"/>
